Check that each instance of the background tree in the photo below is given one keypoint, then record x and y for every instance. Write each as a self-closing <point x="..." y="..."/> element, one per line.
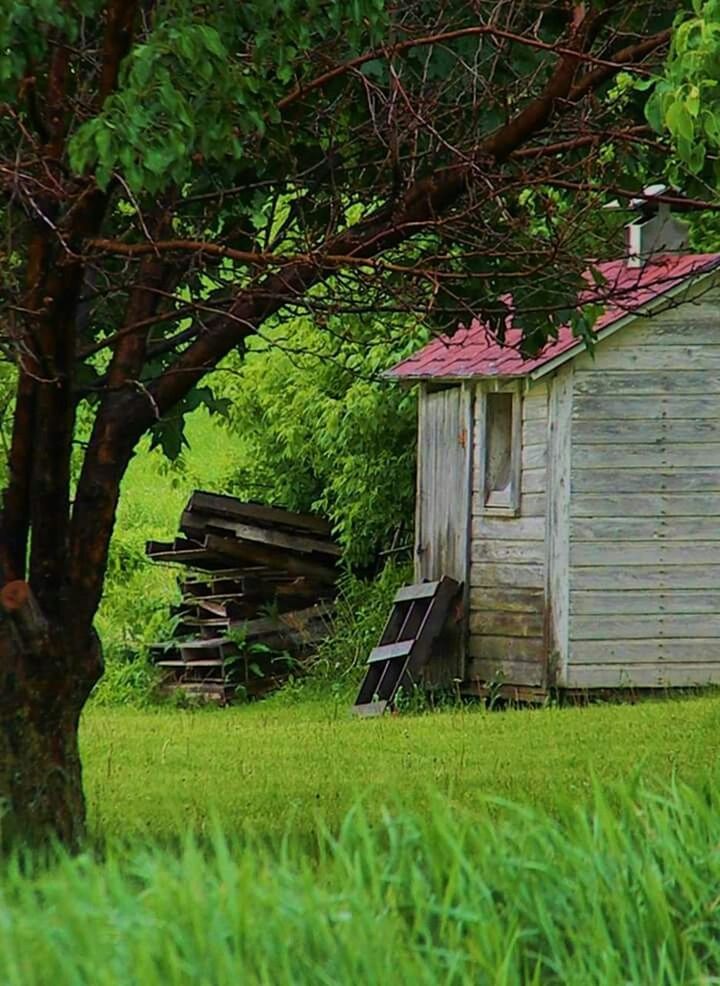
<point x="180" y="176"/>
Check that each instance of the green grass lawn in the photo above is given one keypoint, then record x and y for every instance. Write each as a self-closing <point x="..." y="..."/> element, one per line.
<point x="277" y="765"/>
<point x="425" y="881"/>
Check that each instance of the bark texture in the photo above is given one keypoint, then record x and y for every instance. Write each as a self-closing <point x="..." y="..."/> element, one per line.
<point x="44" y="683"/>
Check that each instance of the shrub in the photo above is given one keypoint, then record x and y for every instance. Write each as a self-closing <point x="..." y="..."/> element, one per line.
<point x="323" y="431"/>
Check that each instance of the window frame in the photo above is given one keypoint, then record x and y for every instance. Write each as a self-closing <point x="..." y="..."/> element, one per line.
<point x="502" y="503"/>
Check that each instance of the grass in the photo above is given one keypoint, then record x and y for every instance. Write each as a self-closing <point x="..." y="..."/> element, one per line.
<point x="434" y="895"/>
<point x="134" y="611"/>
<point x="261" y="767"/>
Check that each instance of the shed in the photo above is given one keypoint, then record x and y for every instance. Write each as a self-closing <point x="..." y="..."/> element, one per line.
<point x="577" y="495"/>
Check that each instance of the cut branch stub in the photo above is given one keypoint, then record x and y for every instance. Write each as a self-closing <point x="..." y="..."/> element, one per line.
<point x="19" y="603"/>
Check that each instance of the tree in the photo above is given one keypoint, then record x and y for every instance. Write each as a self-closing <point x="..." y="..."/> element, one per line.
<point x="178" y="176"/>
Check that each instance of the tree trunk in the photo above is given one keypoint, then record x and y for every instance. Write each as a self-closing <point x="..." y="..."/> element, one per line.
<point x="44" y="684"/>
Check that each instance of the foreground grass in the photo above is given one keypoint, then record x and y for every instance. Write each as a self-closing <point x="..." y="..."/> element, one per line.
<point x="271" y="766"/>
<point x="432" y="896"/>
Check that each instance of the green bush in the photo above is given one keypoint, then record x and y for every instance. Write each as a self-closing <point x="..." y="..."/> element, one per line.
<point x="599" y="897"/>
<point x="321" y="430"/>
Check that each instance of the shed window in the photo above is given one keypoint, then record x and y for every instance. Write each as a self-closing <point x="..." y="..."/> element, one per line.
<point x="502" y="452"/>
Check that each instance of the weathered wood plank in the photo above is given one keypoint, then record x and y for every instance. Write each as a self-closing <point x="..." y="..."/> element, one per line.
<point x="661" y="626"/>
<point x="638" y="382"/>
<point x="665" y="526"/>
<point x="520" y="552"/>
<point x="534" y="431"/>
<point x="510" y="576"/>
<point x="630" y="651"/>
<point x="643" y="356"/>
<point x="535" y="404"/>
<point x="665" y="675"/>
<point x="220" y="505"/>
<point x="696" y="326"/>
<point x="557" y="545"/>
<point x="262" y="554"/>
<point x="191" y="524"/>
<point x="660" y="455"/>
<point x="600" y="602"/>
<point x="644" y="505"/>
<point x="443" y="507"/>
<point x="657" y="430"/>
<point x="593" y="408"/>
<point x="534" y="456"/>
<point x="646" y="577"/>
<point x="507" y="648"/>
<point x="664" y="554"/>
<point x="506" y="600"/>
<point x="646" y="481"/>
<point x="491" y="623"/>
<point x="522" y="528"/>
<point x="510" y="672"/>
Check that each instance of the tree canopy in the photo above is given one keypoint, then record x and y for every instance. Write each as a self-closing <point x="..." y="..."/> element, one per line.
<point x="178" y="177"/>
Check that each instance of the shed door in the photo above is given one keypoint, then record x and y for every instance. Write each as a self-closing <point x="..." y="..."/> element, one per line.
<point x="443" y="513"/>
<point x="444" y="483"/>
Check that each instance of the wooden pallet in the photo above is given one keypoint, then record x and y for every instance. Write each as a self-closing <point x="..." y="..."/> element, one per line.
<point x="417" y="618"/>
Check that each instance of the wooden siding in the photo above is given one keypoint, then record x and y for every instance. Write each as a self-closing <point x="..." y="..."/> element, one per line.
<point x="442" y="528"/>
<point x="644" y="558"/>
<point x="557" y="583"/>
<point x="507" y="567"/>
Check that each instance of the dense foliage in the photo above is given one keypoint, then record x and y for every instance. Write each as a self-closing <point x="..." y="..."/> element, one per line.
<point x="321" y="430"/>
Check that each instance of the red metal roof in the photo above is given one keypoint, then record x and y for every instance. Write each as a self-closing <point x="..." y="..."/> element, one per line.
<point x="474" y="352"/>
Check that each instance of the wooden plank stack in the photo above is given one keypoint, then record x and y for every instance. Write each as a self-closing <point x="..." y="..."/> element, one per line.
<point x="256" y="600"/>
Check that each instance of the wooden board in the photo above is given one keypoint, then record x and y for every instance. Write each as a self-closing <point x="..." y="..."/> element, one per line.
<point x="444" y="461"/>
<point x="622" y="383"/>
<point x="507" y="575"/>
<point x="677" y="456"/>
<point x="507" y="648"/>
<point x="227" y="506"/>
<point x="664" y="527"/>
<point x="511" y="624"/>
<point x="646" y="577"/>
<point x="647" y="355"/>
<point x="506" y="600"/>
<point x="520" y="552"/>
<point x="528" y="673"/>
<point x="272" y="556"/>
<point x="196" y="557"/>
<point x="669" y="674"/>
<point x="644" y="505"/>
<point x="443" y="508"/>
<point x="557" y="543"/>
<point x="665" y="554"/>
<point x="646" y="481"/>
<point x="633" y="651"/>
<point x="594" y="408"/>
<point x="647" y="627"/>
<point x="601" y="602"/>
<point x="274" y="538"/>
<point x="660" y="430"/>
<point x="534" y="456"/>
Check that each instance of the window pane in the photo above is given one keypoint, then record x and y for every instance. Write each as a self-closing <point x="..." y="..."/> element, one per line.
<point x="498" y="443"/>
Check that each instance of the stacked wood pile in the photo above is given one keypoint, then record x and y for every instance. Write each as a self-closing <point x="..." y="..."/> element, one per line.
<point x="257" y="596"/>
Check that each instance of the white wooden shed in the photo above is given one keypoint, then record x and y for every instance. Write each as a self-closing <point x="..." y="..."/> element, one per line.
<point x="577" y="495"/>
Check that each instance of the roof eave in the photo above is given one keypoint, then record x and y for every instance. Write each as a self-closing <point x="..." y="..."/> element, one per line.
<point x="647" y="310"/>
<point x="465" y="378"/>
